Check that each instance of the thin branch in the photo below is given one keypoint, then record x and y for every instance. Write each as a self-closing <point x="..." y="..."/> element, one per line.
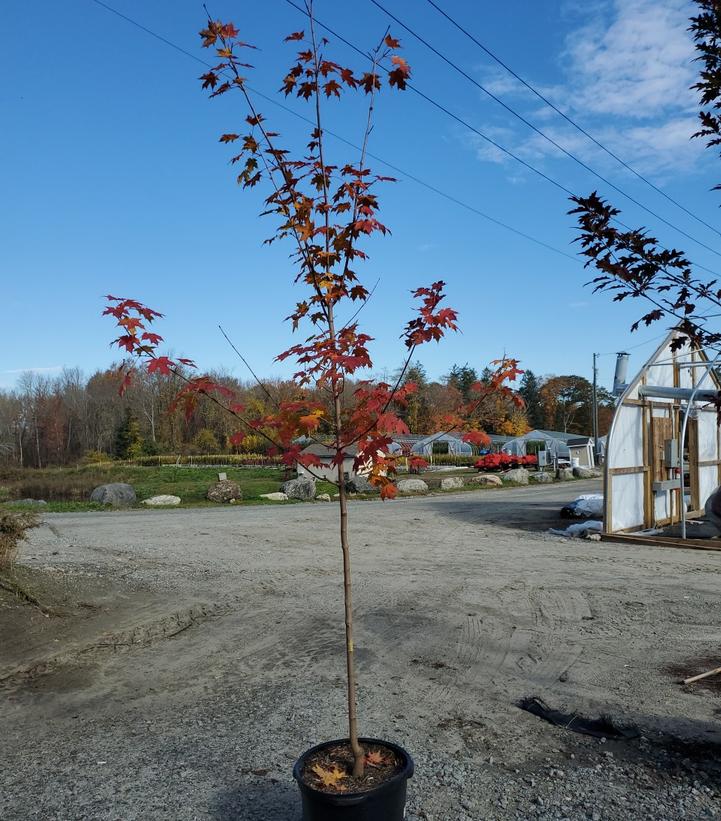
<point x="265" y="390"/>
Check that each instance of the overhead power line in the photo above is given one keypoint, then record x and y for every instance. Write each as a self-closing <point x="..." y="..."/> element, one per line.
<point x="450" y="197"/>
<point x="475" y="130"/>
<point x="540" y="132"/>
<point x="568" y="119"/>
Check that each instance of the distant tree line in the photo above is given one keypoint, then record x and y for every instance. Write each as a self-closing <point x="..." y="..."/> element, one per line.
<point x="560" y="403"/>
<point x="64" y="419"/>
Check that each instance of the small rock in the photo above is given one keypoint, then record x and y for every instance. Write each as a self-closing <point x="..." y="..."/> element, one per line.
<point x="541" y="478"/>
<point x="412" y="486"/>
<point x="359" y="484"/>
<point x="301" y="488"/>
<point x="274" y="497"/>
<point x="164" y="500"/>
<point x="518" y="476"/>
<point x="485" y="479"/>
<point x="586" y="473"/>
<point x="28" y="502"/>
<point x="564" y="474"/>
<point x="224" y="492"/>
<point x="452" y="483"/>
<point x="323" y="497"/>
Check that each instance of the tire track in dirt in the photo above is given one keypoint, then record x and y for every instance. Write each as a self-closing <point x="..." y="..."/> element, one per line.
<point x="134" y="637"/>
<point x="520" y="631"/>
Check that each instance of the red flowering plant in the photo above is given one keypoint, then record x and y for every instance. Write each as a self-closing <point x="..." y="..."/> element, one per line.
<point x="325" y="211"/>
<point x="504" y="461"/>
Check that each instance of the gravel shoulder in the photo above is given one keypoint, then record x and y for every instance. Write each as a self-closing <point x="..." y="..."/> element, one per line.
<point x="195" y="653"/>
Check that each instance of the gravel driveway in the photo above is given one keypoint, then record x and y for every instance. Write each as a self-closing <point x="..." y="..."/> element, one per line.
<point x="202" y="651"/>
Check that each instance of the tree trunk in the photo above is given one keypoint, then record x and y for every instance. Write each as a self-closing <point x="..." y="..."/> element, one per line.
<point x="358" y="754"/>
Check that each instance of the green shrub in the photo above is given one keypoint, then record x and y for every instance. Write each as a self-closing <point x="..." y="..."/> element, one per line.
<point x="453" y="459"/>
<point x="94" y="457"/>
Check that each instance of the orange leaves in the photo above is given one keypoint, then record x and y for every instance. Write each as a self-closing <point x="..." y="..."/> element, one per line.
<point x="416" y="463"/>
<point x="311" y="421"/>
<point x="329" y="777"/>
<point x="388" y="491"/>
<point x="296" y="35"/>
<point x="375" y="758"/>
<point x="398" y="76"/>
<point x="228" y="138"/>
<point x="476" y="437"/>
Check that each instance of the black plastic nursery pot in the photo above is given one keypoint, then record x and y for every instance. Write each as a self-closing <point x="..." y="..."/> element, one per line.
<point x="386" y="802"/>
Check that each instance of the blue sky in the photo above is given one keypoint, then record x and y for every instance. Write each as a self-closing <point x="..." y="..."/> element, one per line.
<point x="113" y="180"/>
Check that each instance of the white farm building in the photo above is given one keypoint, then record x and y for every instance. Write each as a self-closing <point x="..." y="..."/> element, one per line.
<point x="663" y="451"/>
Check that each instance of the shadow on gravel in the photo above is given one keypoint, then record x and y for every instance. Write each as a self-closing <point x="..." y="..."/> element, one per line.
<point x="258" y="802"/>
<point x="601" y="727"/>
<point x="522" y="513"/>
<point x="678" y="746"/>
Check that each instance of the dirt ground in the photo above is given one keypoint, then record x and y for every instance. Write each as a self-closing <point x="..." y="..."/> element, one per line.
<point x="189" y="656"/>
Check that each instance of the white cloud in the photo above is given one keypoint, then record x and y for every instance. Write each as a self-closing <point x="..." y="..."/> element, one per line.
<point x="627" y="68"/>
<point x="639" y="64"/>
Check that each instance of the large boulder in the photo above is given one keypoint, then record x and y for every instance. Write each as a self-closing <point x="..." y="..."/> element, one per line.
<point x="564" y="474"/>
<point x="489" y="479"/>
<point x="541" y="478"/>
<point x="360" y="484"/>
<point x="301" y="488"/>
<point x="517" y="476"/>
<point x="224" y="492"/>
<point x="412" y="486"/>
<point x="581" y="472"/>
<point x="116" y="494"/>
<point x="164" y="500"/>
<point x="274" y="497"/>
<point x="452" y="483"/>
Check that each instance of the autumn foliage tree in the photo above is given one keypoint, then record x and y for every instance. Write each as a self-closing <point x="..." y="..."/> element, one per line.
<point x="324" y="211"/>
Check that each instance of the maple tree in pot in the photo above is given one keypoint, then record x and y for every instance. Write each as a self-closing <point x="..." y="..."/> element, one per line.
<point x="325" y="210"/>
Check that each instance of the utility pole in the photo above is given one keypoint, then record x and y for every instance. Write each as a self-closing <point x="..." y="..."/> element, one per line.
<point x="595" y="408"/>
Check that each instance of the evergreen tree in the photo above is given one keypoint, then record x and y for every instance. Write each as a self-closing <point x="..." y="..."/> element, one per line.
<point x="462" y="377"/>
<point x="530" y="390"/>
<point x="128" y="442"/>
<point x="417" y="412"/>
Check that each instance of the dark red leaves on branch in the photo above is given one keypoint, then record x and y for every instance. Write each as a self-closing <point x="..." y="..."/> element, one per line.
<point x="431" y="323"/>
<point x="325" y="211"/>
<point x="633" y="265"/>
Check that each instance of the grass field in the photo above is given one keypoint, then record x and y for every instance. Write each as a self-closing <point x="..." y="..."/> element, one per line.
<point x="69" y="488"/>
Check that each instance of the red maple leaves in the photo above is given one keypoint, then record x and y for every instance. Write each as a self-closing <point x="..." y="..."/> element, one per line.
<point x="325" y="210"/>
